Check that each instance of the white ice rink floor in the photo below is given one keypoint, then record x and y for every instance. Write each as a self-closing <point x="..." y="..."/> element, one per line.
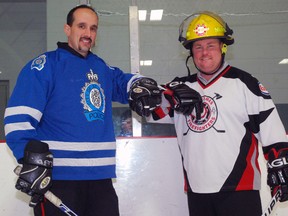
<point x="149" y="182"/>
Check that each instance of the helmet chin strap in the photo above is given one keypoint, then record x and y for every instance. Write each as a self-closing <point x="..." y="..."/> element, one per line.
<point x="189" y="73"/>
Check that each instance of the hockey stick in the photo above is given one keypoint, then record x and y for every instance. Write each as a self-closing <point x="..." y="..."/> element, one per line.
<point x="52" y="198"/>
<point x="272" y="203"/>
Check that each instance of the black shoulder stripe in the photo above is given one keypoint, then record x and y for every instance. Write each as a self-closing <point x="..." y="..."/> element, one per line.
<point x="256" y="120"/>
<point x="251" y="82"/>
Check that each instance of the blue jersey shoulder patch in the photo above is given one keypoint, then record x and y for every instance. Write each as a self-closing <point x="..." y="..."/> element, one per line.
<point x="38" y="63"/>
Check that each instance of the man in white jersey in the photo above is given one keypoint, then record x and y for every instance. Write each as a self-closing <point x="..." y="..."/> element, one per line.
<point x="219" y="140"/>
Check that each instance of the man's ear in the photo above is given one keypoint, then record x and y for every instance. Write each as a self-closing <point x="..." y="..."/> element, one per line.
<point x="67" y="29"/>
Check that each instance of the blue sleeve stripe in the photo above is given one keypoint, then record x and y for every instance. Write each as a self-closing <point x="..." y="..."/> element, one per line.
<point x="84" y="173"/>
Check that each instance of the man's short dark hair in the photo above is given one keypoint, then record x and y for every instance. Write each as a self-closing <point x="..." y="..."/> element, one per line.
<point x="70" y="15"/>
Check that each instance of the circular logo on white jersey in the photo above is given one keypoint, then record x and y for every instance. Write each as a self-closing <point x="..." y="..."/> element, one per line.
<point x="208" y="116"/>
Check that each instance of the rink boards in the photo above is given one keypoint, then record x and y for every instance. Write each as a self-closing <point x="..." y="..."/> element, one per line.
<point x="149" y="180"/>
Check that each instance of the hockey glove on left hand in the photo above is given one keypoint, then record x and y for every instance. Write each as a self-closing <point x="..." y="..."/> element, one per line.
<point x="278" y="173"/>
<point x="183" y="99"/>
<point x="144" y="96"/>
<point x="35" y="176"/>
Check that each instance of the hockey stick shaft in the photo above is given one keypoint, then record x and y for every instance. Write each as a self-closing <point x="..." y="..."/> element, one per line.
<point x="272" y="203"/>
<point x="58" y="203"/>
<point x="52" y="198"/>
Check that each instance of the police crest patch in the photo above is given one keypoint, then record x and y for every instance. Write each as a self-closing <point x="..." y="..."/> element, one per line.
<point x="93" y="98"/>
<point x="38" y="63"/>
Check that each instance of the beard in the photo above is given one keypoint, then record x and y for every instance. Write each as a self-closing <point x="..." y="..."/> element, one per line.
<point x="83" y="48"/>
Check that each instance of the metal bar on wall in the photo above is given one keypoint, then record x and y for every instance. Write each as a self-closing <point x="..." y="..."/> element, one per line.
<point x="134" y="60"/>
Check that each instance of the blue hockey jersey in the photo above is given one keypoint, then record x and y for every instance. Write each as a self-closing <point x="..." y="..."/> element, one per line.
<point x="65" y="100"/>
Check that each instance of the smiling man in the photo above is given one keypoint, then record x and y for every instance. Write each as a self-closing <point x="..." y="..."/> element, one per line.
<point x="81" y="30"/>
<point x="220" y="147"/>
<point x="59" y="125"/>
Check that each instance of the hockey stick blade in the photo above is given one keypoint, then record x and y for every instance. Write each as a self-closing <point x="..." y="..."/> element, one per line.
<point x="52" y="198"/>
<point x="272" y="203"/>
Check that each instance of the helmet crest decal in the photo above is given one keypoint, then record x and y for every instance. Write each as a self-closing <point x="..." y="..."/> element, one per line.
<point x="201" y="29"/>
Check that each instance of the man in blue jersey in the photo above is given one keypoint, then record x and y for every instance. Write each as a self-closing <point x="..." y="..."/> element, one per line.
<point x="219" y="142"/>
<point x="58" y="122"/>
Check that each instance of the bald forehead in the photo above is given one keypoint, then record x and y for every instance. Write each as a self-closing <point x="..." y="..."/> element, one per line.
<point x="82" y="14"/>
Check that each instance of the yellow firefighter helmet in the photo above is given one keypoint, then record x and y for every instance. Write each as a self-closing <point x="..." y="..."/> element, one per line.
<point x="205" y="25"/>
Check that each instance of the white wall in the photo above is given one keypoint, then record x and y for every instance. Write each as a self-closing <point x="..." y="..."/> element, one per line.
<point x="150" y="180"/>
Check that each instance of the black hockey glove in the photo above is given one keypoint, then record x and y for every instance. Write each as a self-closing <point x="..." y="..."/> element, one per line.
<point x="144" y="96"/>
<point x="278" y="174"/>
<point x="183" y="99"/>
<point x="35" y="176"/>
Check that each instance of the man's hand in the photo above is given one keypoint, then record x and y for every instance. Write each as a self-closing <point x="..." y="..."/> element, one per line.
<point x="183" y="99"/>
<point x="144" y="96"/>
<point x="278" y="173"/>
<point x="35" y="175"/>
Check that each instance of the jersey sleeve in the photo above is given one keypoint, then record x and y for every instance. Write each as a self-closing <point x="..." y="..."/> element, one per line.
<point x="26" y="104"/>
<point x="121" y="82"/>
<point x="264" y="119"/>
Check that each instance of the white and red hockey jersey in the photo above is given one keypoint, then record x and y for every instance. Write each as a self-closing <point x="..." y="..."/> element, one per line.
<point x="220" y="151"/>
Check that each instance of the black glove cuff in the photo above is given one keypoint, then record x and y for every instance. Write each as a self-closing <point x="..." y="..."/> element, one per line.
<point x="37" y="146"/>
<point x="39" y="159"/>
<point x="37" y="153"/>
<point x="145" y="81"/>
